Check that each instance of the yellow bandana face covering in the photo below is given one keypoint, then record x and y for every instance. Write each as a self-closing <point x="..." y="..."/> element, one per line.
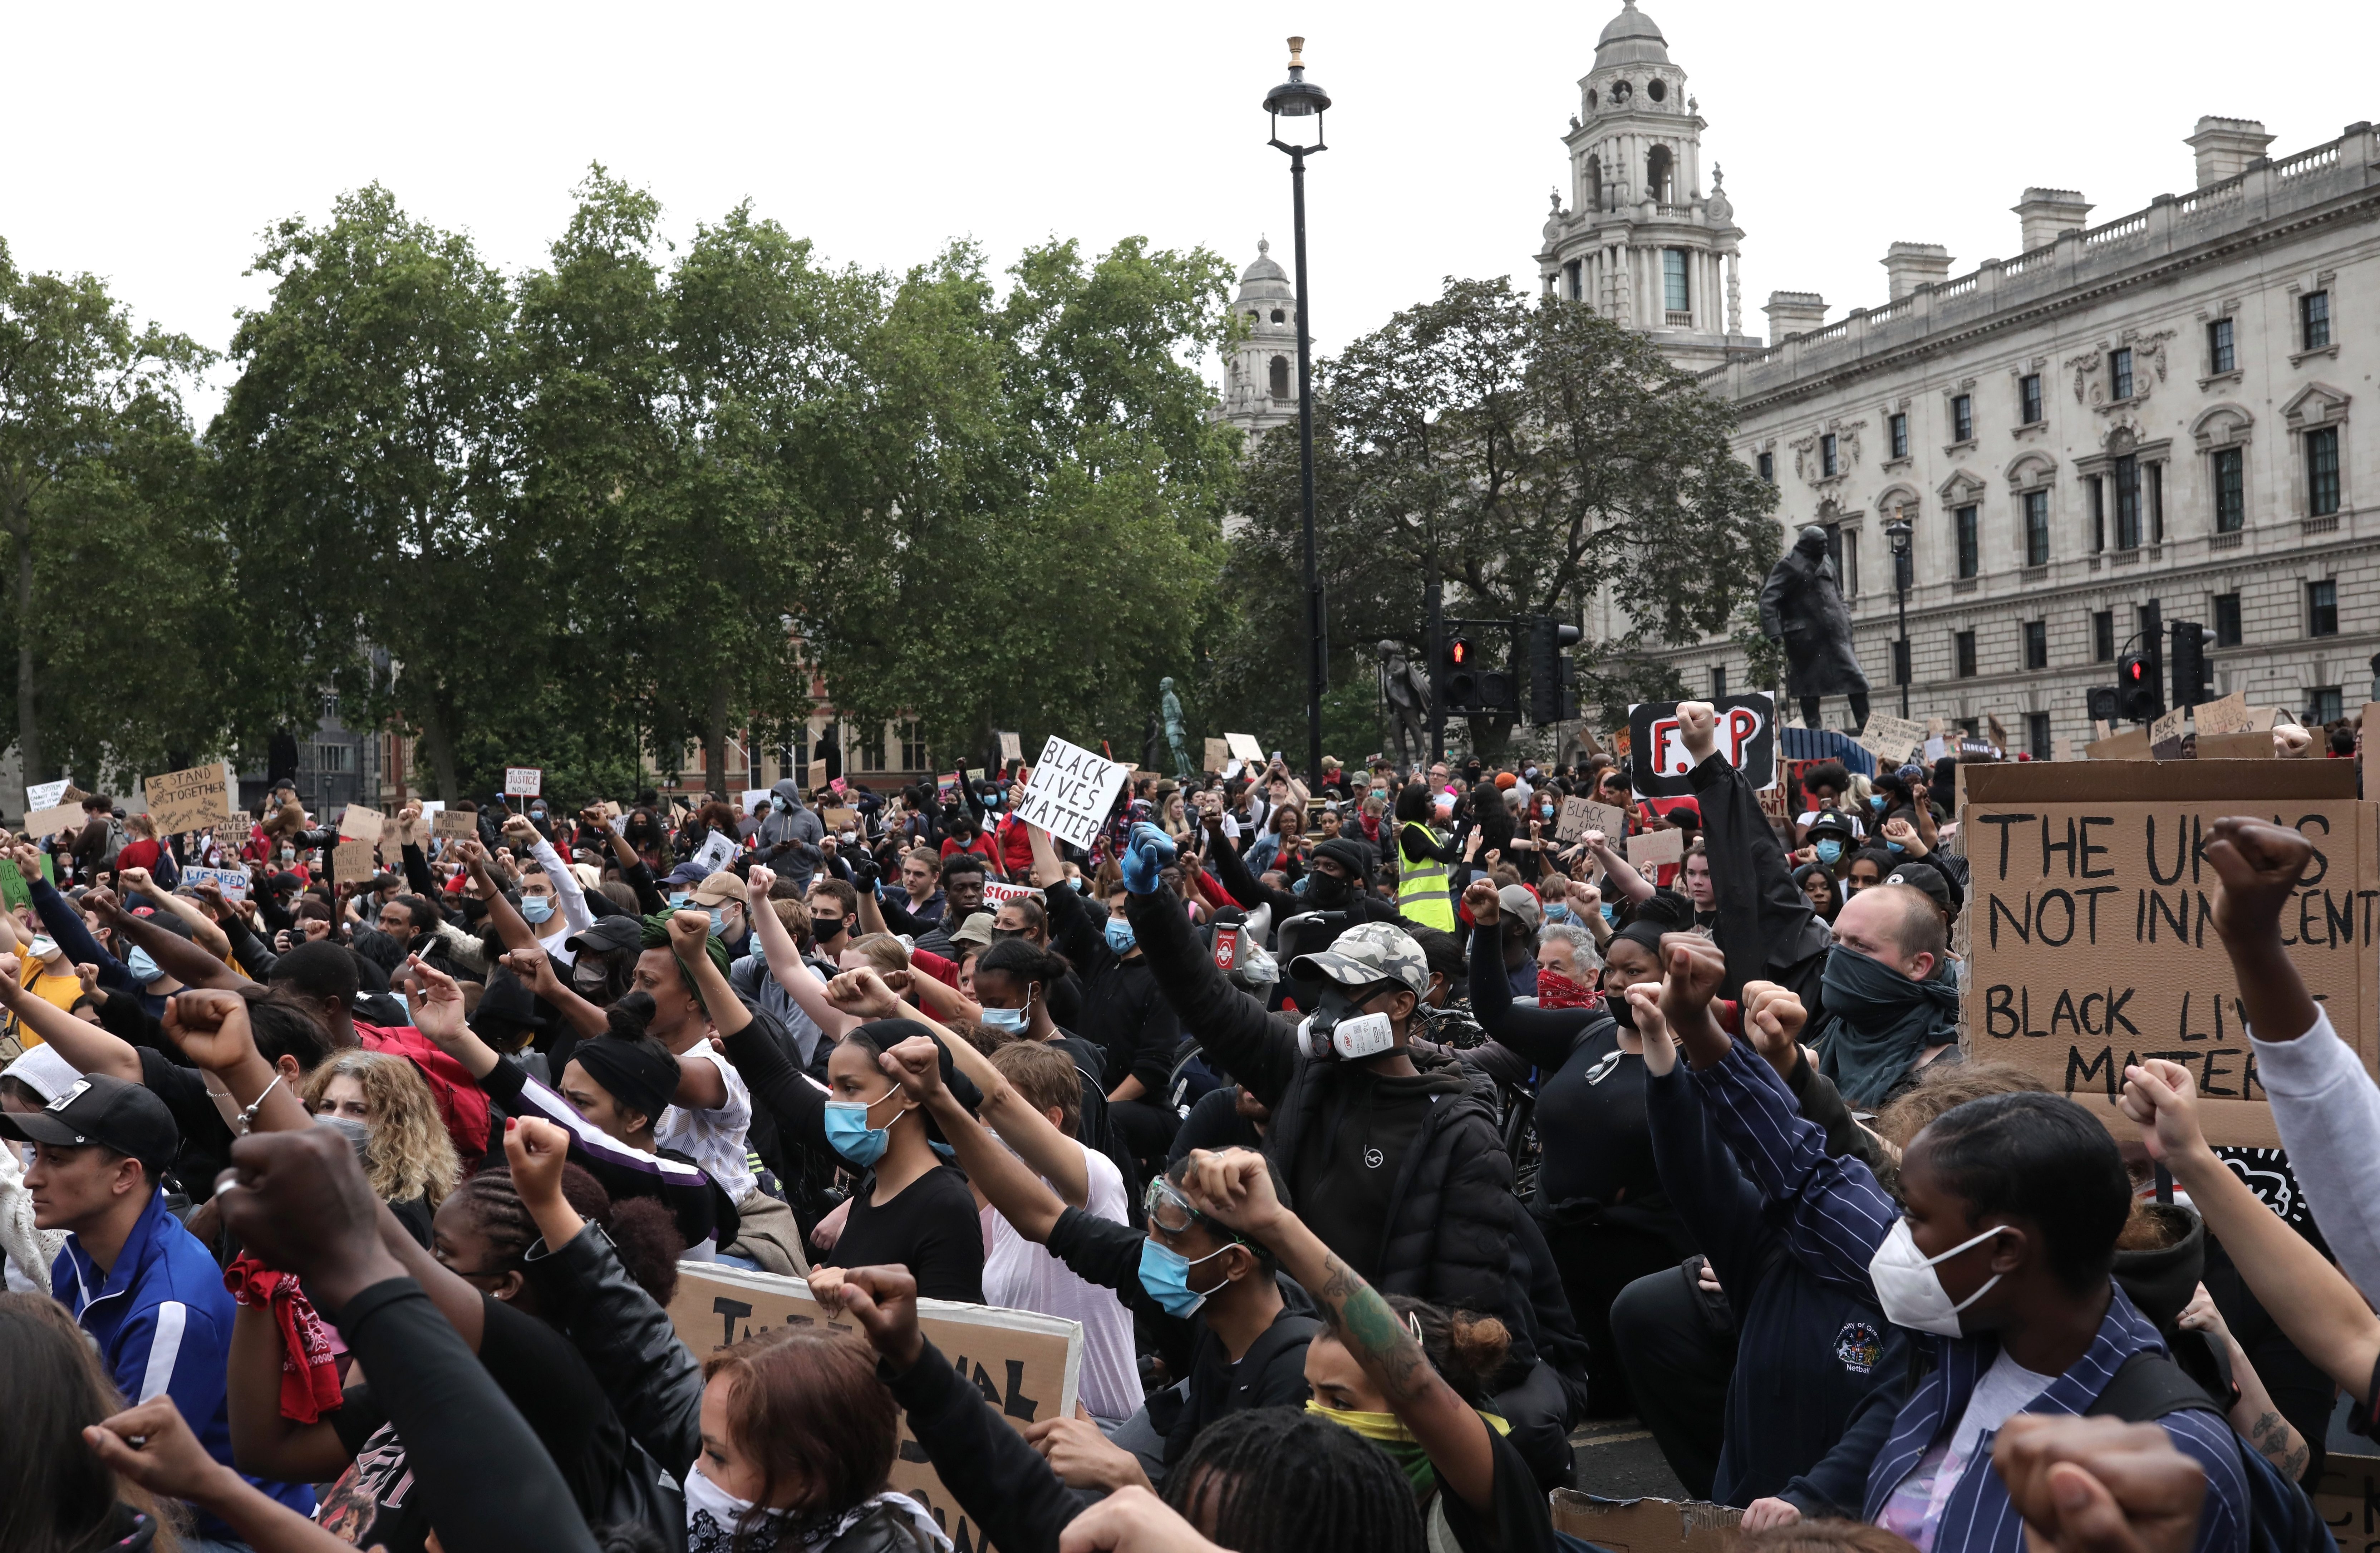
<point x="1389" y="1432"/>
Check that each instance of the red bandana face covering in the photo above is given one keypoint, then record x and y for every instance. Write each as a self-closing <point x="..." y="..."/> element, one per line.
<point x="1557" y="990"/>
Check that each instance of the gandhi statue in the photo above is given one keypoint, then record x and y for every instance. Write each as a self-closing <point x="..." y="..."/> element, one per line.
<point x="1406" y="690"/>
<point x="1172" y="708"/>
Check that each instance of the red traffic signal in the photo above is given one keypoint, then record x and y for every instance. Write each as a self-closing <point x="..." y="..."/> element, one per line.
<point x="1458" y="652"/>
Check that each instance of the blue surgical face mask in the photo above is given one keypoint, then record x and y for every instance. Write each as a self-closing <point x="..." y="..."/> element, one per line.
<point x="538" y="813"/>
<point x="1119" y="935"/>
<point x="1894" y="846"/>
<point x="1010" y="1018"/>
<point x="1875" y="800"/>
<point x="1610" y="912"/>
<point x="1829" y="850"/>
<point x="536" y="909"/>
<point x="144" y="970"/>
<point x="848" y="1133"/>
<point x="719" y="921"/>
<point x="679" y="901"/>
<point x="1558" y="914"/>
<point x="1165" y="1273"/>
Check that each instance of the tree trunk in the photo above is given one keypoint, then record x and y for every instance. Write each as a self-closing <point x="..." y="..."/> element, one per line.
<point x="28" y="717"/>
<point x="438" y="741"/>
<point x="714" y="737"/>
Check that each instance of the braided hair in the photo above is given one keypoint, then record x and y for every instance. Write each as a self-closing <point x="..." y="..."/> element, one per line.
<point x="1276" y="1480"/>
<point x="642" y="1232"/>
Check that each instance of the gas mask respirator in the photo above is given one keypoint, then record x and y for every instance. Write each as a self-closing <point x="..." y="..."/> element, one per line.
<point x="1339" y="1031"/>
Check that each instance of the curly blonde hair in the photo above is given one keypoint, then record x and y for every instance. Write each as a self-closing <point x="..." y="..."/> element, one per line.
<point x="409" y="1155"/>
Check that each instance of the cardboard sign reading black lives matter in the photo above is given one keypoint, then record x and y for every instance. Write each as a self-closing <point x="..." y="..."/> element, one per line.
<point x="1072" y="791"/>
<point x="1747" y="736"/>
<point x="2091" y="932"/>
<point x="1027" y="1365"/>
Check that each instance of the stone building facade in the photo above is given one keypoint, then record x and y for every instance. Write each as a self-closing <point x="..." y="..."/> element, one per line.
<point x="2157" y="407"/>
<point x="1260" y="370"/>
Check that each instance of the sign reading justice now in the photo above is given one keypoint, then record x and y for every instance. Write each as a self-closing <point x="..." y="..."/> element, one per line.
<point x="2090" y="923"/>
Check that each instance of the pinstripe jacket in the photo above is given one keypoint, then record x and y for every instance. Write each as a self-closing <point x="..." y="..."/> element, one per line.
<point x="1840" y="1217"/>
<point x="162" y="1320"/>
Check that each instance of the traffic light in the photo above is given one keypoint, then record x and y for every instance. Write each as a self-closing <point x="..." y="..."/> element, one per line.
<point x="1550" y="672"/>
<point x="1458" y="683"/>
<point x="2106" y="703"/>
<point x="2190" y="643"/>
<point x="2138" y="699"/>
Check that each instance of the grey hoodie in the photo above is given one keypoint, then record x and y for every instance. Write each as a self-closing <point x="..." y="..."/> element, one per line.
<point x="793" y="822"/>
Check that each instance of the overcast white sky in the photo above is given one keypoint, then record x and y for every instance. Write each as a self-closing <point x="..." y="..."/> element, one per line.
<point x="152" y="145"/>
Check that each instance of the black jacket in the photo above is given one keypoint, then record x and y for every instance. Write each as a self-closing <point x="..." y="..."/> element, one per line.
<point x="1449" y="1231"/>
<point x="1766" y="926"/>
<point x="1122" y="1009"/>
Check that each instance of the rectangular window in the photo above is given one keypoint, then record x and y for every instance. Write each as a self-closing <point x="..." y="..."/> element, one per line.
<point x="2313" y="320"/>
<point x="1576" y="272"/>
<point x="1962" y="419"/>
<point x="2120" y="373"/>
<point x="2036" y="644"/>
<point x="2230" y="490"/>
<point x="2226" y="620"/>
<point x="1674" y="296"/>
<point x="2220" y="357"/>
<point x="2322" y="608"/>
<point x="2103" y="636"/>
<point x="1965" y="643"/>
<point x="1900" y="662"/>
<point x="2322" y="471"/>
<point x="2156" y="504"/>
<point x="2323" y="705"/>
<point x="1828" y="466"/>
<point x="1898" y="433"/>
<point x="2037" y="735"/>
<point x="1850" y="563"/>
<point x="1970" y="546"/>
<point x="2098" y="514"/>
<point x="1718" y="682"/>
<point x="913" y="750"/>
<point x="796" y="756"/>
<point x="867" y="755"/>
<point x="1767" y="466"/>
<point x="2028" y="399"/>
<point x="2036" y="527"/>
<point x="2127" y="503"/>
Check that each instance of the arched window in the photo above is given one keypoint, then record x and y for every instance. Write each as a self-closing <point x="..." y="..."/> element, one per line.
<point x="1279" y="316"/>
<point x="1594" y="183"/>
<point x="1280" y="377"/>
<point x="1657" y="175"/>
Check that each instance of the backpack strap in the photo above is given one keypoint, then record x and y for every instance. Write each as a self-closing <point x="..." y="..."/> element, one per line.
<point x="2148" y="1386"/>
<point x="1289" y="1332"/>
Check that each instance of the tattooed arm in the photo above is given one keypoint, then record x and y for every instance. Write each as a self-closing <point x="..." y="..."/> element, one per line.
<point x="1234" y="1189"/>
<point x="2259" y="1422"/>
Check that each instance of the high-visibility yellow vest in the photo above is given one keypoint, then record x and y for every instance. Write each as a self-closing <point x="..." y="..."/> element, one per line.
<point x="1421" y="884"/>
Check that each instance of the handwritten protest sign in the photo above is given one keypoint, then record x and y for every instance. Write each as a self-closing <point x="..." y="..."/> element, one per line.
<point x="998" y="893"/>
<point x="189" y="800"/>
<point x="2348" y="1500"/>
<point x="359" y="822"/>
<point x="840" y="819"/>
<point x="524" y="782"/>
<point x="1026" y="1365"/>
<point x="2092" y="943"/>
<point x="453" y="825"/>
<point x="1011" y="748"/>
<point x="1070" y="792"/>
<point x="1219" y="755"/>
<point x="354" y="860"/>
<point x="1244" y="746"/>
<point x="2166" y="735"/>
<point x="1581" y="814"/>
<point x="1646" y="1526"/>
<point x="755" y="799"/>
<point x="1655" y="847"/>
<point x="14" y="890"/>
<point x="1747" y="736"/>
<point x="54" y="821"/>
<point x="816" y="776"/>
<point x="1891" y="739"/>
<point x="231" y="881"/>
<point x="2229" y="715"/>
<point x="46" y="794"/>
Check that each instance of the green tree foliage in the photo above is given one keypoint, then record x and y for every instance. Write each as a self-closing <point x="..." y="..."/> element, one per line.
<point x="1534" y="455"/>
<point x="115" y="605"/>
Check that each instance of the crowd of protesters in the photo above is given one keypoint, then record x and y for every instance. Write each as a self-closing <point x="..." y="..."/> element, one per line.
<point x="1378" y="1132"/>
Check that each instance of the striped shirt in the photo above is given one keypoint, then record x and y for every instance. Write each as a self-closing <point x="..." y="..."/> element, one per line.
<point x="1840" y="1217"/>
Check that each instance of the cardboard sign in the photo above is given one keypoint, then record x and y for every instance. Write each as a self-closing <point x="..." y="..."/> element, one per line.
<point x="189" y="800"/>
<point x="46" y="794"/>
<point x="2249" y="744"/>
<point x="816" y="776"/>
<point x="524" y="782"/>
<point x="1012" y="747"/>
<point x="2132" y="743"/>
<point x="1072" y="791"/>
<point x="231" y="881"/>
<point x="2348" y="1500"/>
<point x="1655" y="847"/>
<point x="1747" y="737"/>
<point x="840" y="819"/>
<point x="1028" y="1366"/>
<point x="998" y="893"/>
<point x="58" y="821"/>
<point x="1609" y="818"/>
<point x="1645" y="1525"/>
<point x="754" y="799"/>
<point x="359" y="821"/>
<point x="1891" y="739"/>
<point x="2091" y="943"/>
<point x="715" y="853"/>
<point x="1219" y="755"/>
<point x="2229" y="715"/>
<point x="355" y="860"/>
<point x="454" y="825"/>
<point x="1244" y="746"/>
<point x="2165" y="735"/>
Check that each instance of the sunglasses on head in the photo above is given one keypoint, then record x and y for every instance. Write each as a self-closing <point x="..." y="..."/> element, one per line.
<point x="1172" y="1212"/>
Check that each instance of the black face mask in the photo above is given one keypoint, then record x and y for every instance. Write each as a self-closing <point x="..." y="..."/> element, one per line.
<point x="1327" y="890"/>
<point x="1624" y="1014"/>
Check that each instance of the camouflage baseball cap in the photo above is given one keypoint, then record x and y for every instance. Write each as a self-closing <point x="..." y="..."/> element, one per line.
<point x="1368" y="954"/>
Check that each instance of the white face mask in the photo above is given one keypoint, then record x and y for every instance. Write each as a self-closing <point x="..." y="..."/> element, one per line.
<point x="1911" y="1292"/>
<point x="707" y="1500"/>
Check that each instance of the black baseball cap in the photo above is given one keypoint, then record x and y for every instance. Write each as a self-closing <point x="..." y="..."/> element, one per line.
<point x="1933" y="882"/>
<point x="96" y="1108"/>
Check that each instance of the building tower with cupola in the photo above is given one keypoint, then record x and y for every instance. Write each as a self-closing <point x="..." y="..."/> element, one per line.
<point x="1260" y="370"/>
<point x="1639" y="240"/>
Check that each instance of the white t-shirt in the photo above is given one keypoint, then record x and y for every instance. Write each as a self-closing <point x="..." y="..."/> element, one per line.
<point x="1914" y="1509"/>
<point x="714" y="1139"/>
<point x="1023" y="1276"/>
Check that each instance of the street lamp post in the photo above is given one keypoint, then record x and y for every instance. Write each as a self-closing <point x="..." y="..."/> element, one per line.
<point x="1897" y="533"/>
<point x="1299" y="98"/>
